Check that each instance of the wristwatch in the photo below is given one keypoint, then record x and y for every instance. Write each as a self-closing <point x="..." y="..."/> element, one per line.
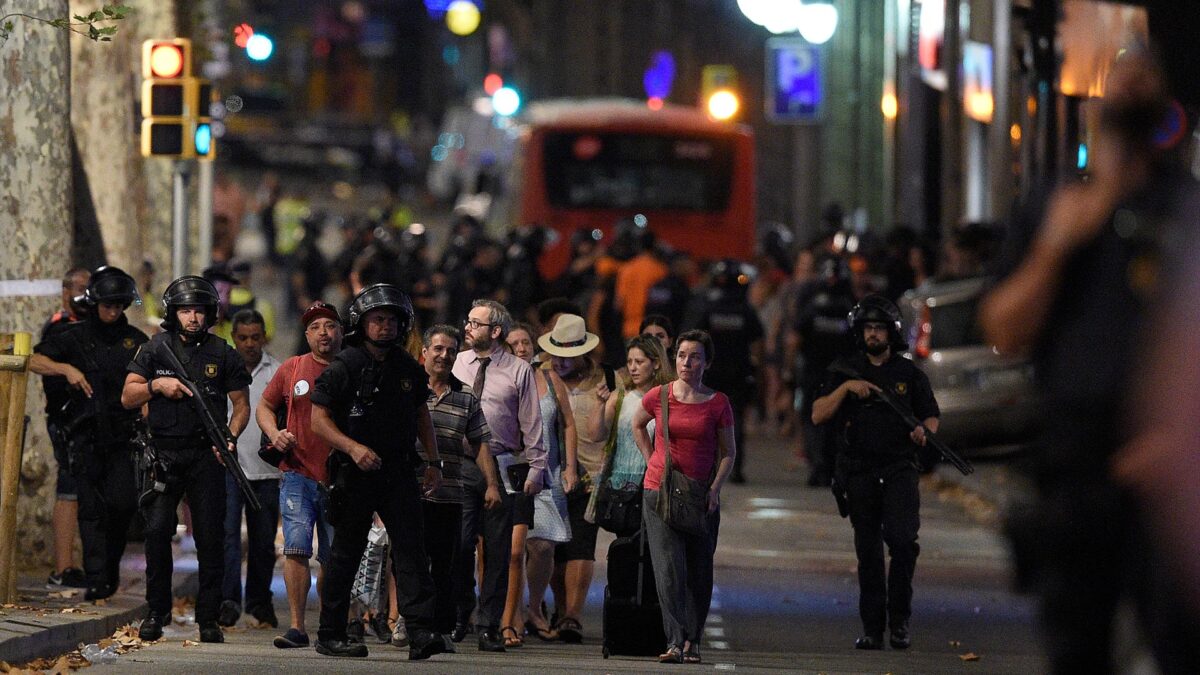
<point x="436" y="463"/>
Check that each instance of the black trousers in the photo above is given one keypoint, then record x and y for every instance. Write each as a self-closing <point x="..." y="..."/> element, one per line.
<point x="261" y="527"/>
<point x="496" y="527"/>
<point x="194" y="472"/>
<point x="391" y="492"/>
<point x="443" y="531"/>
<point x="884" y="508"/>
<point x="107" y="491"/>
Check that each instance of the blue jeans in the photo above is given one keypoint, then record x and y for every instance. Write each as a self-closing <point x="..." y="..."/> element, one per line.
<point x="302" y="505"/>
<point x="260" y="542"/>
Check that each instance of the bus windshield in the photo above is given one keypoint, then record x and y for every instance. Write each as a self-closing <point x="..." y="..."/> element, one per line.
<point x="638" y="171"/>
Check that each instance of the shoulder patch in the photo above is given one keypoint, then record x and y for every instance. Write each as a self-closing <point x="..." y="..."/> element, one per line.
<point x="902" y="388"/>
<point x="127" y="343"/>
<point x="210" y="370"/>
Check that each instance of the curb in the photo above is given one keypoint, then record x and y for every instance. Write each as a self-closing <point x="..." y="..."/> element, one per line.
<point x="35" y="637"/>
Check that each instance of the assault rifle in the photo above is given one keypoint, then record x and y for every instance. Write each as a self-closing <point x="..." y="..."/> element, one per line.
<point x="218" y="433"/>
<point x="909" y="418"/>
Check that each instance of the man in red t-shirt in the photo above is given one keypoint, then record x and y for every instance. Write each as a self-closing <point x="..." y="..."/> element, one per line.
<point x="301" y="501"/>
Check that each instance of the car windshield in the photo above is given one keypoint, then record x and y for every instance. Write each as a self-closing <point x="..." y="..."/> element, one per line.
<point x="954" y="324"/>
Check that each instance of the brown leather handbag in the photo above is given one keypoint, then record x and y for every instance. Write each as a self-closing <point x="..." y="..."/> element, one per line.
<point x="682" y="501"/>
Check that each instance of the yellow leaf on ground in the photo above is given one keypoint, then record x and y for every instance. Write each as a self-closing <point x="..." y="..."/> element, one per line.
<point x="969" y="656"/>
<point x="190" y="643"/>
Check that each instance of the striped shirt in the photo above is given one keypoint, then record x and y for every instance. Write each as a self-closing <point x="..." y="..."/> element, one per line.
<point x="456" y="417"/>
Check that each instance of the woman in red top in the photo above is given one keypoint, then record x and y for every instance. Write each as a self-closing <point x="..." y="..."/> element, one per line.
<point x="702" y="447"/>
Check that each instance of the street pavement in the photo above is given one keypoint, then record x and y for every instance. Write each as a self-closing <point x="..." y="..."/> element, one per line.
<point x="785" y="599"/>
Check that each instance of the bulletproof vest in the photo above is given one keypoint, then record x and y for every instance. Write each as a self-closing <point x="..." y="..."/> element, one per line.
<point x="825" y="330"/>
<point x="204" y="366"/>
<point x="103" y="353"/>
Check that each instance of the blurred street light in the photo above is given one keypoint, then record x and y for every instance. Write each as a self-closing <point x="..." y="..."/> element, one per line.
<point x="462" y="17"/>
<point x="506" y="101"/>
<point x="816" y="21"/>
<point x="259" y="47"/>
<point x="723" y="104"/>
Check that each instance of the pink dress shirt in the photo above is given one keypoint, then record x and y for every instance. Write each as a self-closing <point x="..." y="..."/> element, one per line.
<point x="510" y="405"/>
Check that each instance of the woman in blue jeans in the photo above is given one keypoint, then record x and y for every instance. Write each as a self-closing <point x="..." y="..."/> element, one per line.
<point x="700" y="422"/>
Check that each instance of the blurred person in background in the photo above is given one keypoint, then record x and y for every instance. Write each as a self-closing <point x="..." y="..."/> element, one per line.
<point x="229" y="211"/>
<point x="660" y="328"/>
<point x="672" y="295"/>
<point x="634" y="280"/>
<point x="265" y="198"/>
<point x="543" y="521"/>
<point x="702" y="447"/>
<point x="820" y="333"/>
<point x="725" y="313"/>
<point x="1078" y="299"/>
<point x="579" y="278"/>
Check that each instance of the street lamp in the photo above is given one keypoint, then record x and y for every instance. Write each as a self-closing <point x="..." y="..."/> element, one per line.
<point x="816" y="21"/>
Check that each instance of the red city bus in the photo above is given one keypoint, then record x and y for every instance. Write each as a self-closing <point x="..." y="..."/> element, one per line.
<point x="585" y="165"/>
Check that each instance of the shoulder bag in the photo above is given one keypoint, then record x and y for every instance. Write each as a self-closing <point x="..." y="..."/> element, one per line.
<point x="682" y="501"/>
<point x="618" y="510"/>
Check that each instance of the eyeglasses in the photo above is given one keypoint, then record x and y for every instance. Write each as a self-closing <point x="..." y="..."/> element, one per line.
<point x="473" y="324"/>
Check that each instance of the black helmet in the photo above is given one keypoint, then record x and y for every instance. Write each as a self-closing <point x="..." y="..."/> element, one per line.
<point x="879" y="309"/>
<point x="374" y="297"/>
<point x="111" y="284"/>
<point x="730" y="274"/>
<point x="189" y="290"/>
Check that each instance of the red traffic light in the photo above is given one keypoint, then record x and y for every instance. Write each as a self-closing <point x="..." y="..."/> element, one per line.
<point x="166" y="59"/>
<point x="242" y="34"/>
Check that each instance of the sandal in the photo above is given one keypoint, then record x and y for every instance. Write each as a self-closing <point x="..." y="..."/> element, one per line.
<point x="514" y="641"/>
<point x="570" y="631"/>
<point x="691" y="654"/>
<point x="673" y="655"/>
<point x="543" y="634"/>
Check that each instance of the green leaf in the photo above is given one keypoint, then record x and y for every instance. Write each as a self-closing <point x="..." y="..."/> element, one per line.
<point x="81" y="18"/>
<point x="120" y="11"/>
<point x="8" y="26"/>
<point x="108" y="11"/>
<point x="59" y="23"/>
<point x="96" y="16"/>
<point x="92" y="32"/>
<point x="106" y="39"/>
<point x="108" y="30"/>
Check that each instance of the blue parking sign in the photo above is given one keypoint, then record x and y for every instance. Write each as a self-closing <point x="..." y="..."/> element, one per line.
<point x="795" y="85"/>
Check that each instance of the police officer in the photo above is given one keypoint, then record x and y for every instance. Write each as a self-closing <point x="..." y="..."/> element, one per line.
<point x="183" y="459"/>
<point x="370" y="406"/>
<point x="737" y="335"/>
<point x="96" y="431"/>
<point x="877" y="464"/>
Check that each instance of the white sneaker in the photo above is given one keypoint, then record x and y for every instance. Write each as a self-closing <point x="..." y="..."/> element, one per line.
<point x="400" y="633"/>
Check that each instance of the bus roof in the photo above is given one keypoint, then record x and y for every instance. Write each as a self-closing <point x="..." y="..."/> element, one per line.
<point x="609" y="113"/>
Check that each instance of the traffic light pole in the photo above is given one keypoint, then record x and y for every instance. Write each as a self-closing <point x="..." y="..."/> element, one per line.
<point x="204" y="211"/>
<point x="179" y="220"/>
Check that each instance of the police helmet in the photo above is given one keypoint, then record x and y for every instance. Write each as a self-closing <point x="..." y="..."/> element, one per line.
<point x="730" y="274"/>
<point x="376" y="296"/>
<point x="113" y="285"/>
<point x="876" y="308"/>
<point x="186" y="291"/>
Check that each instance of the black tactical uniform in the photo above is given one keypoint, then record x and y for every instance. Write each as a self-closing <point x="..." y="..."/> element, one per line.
<point x="877" y="468"/>
<point x="735" y="328"/>
<point x="820" y="311"/>
<point x="185" y="463"/>
<point x="376" y="402"/>
<point x="96" y="431"/>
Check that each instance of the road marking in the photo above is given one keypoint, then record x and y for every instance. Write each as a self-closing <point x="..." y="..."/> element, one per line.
<point x="719" y="644"/>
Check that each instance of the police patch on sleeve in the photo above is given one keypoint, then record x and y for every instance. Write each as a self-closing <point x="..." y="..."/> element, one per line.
<point x="902" y="388"/>
<point x="210" y="370"/>
<point x="406" y="385"/>
<point x="127" y="343"/>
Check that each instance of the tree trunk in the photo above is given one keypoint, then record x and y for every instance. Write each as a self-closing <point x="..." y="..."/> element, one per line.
<point x="35" y="223"/>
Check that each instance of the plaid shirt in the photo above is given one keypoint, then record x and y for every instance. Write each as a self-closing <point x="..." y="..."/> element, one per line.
<point x="456" y="417"/>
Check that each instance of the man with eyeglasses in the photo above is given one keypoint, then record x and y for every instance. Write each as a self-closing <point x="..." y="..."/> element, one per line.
<point x="508" y="395"/>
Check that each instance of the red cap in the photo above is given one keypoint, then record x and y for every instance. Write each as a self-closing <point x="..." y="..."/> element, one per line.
<point x="319" y="310"/>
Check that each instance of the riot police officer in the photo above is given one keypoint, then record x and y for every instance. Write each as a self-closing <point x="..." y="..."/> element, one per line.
<point x="183" y="460"/>
<point x="726" y="314"/>
<point x="96" y="431"/>
<point x="876" y="470"/>
<point x="370" y="405"/>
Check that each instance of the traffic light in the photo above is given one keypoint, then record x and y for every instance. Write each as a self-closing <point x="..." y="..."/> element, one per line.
<point x="718" y="91"/>
<point x="175" y="105"/>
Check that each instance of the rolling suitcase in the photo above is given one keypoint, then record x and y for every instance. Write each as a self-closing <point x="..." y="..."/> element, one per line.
<point x="632" y="622"/>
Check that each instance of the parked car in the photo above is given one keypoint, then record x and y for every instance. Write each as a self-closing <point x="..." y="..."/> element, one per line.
<point x="987" y="399"/>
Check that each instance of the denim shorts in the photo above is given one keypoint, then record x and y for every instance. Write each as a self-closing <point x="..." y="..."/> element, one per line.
<point x="302" y="507"/>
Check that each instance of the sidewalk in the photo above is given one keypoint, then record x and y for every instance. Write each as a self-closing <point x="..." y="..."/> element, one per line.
<point x="45" y="623"/>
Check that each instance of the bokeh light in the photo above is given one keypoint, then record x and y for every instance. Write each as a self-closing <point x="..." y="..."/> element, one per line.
<point x="259" y="47"/>
<point x="462" y="17"/>
<point x="723" y="104"/>
<point x="506" y="101"/>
